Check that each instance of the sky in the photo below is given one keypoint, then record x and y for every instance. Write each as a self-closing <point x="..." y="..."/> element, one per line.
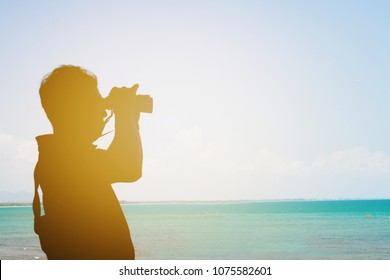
<point x="252" y="99"/>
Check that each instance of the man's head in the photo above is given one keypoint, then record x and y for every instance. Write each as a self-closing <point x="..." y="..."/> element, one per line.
<point x="72" y="102"/>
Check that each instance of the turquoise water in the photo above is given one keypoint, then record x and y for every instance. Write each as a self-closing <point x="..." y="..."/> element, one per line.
<point x="256" y="230"/>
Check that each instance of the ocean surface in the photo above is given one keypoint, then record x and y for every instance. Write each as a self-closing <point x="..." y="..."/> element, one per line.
<point x="352" y="229"/>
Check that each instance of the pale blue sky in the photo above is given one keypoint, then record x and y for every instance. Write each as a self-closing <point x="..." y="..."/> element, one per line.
<point x="253" y="99"/>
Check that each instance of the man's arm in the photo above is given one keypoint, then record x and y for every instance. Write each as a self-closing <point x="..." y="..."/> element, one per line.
<point x="125" y="151"/>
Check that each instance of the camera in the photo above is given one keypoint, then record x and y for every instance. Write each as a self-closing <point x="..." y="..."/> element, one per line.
<point x="143" y="103"/>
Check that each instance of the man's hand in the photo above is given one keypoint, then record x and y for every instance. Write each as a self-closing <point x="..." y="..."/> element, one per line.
<point x="123" y="101"/>
<point x="125" y="151"/>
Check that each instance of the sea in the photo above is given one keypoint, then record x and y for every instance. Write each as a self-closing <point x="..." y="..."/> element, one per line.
<point x="278" y="230"/>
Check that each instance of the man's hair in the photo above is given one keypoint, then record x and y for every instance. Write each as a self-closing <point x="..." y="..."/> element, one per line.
<point x="65" y="90"/>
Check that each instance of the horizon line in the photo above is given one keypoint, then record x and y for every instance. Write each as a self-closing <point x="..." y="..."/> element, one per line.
<point x="124" y="202"/>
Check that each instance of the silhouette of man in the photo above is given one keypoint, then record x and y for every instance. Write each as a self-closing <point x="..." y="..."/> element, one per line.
<point x="83" y="218"/>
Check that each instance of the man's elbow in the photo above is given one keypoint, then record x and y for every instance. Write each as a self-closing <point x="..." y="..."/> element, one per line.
<point x="133" y="175"/>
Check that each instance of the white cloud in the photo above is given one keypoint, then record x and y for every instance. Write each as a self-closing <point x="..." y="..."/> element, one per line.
<point x="16" y="150"/>
<point x="27" y="151"/>
<point x="354" y="160"/>
<point x="358" y="160"/>
<point x="273" y="162"/>
<point x="6" y="146"/>
<point x="5" y="138"/>
<point x="189" y="140"/>
<point x="189" y="150"/>
<point x="190" y="167"/>
<point x="17" y="159"/>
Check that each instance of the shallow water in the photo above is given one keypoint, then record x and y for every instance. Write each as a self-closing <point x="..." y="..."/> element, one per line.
<point x="256" y="230"/>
